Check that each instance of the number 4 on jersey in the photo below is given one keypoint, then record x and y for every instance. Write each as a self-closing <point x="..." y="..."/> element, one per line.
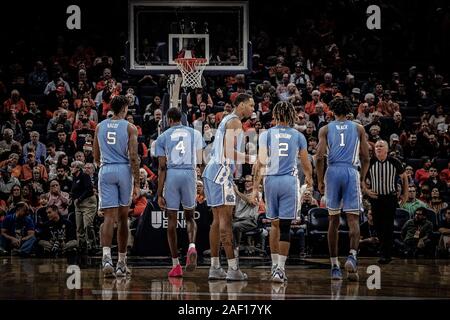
<point x="180" y="147"/>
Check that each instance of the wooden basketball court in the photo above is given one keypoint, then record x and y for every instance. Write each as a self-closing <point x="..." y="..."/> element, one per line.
<point x="32" y="278"/>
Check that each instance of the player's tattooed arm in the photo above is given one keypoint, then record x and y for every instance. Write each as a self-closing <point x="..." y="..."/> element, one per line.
<point x="133" y="153"/>
<point x="96" y="150"/>
<point x="363" y="156"/>
<point x="230" y="143"/>
<point x="320" y="158"/>
<point x="162" y="170"/>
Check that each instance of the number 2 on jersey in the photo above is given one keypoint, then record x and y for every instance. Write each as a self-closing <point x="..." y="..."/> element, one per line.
<point x="111" y="137"/>
<point x="342" y="144"/>
<point x="282" y="151"/>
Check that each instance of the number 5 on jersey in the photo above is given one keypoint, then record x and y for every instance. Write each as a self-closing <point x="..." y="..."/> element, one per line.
<point x="111" y="137"/>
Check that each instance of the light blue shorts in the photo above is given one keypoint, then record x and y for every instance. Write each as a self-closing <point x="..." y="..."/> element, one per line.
<point x="115" y="186"/>
<point x="180" y="187"/>
<point x="343" y="189"/>
<point x="219" y="194"/>
<point x="281" y="196"/>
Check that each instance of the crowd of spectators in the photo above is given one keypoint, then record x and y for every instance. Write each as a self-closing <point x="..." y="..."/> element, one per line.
<point x="49" y="114"/>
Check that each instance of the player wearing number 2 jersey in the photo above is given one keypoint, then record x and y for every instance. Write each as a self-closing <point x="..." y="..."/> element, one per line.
<point x="279" y="148"/>
<point x="179" y="150"/>
<point x="347" y="147"/>
<point x="115" y="151"/>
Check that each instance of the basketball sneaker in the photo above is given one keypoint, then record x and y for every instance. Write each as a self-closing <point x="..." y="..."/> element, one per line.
<point x="122" y="270"/>
<point x="236" y="275"/>
<point x="191" y="259"/>
<point x="336" y="273"/>
<point x="279" y="275"/>
<point x="176" y="271"/>
<point x="107" y="267"/>
<point x="351" y="266"/>
<point x="217" y="274"/>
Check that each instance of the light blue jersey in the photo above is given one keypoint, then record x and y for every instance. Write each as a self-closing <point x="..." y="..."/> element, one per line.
<point x="179" y="144"/>
<point x="343" y="143"/>
<point x="281" y="185"/>
<point x="342" y="181"/>
<point x="115" y="179"/>
<point x="113" y="141"/>
<point x="283" y="145"/>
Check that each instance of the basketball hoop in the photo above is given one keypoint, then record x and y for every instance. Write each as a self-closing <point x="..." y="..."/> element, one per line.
<point x="191" y="70"/>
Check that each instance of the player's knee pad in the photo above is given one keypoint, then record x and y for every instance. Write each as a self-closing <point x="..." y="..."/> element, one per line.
<point x="285" y="228"/>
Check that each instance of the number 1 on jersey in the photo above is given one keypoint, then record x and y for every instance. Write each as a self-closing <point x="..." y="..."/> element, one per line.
<point x="342" y="140"/>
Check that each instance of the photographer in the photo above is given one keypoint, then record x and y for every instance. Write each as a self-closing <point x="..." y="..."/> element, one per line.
<point x="246" y="212"/>
<point x="17" y="232"/>
<point x="58" y="234"/>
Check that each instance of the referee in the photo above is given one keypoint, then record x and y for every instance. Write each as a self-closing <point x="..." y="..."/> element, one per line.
<point x="382" y="175"/>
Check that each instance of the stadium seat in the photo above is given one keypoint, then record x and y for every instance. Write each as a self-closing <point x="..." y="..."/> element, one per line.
<point x="400" y="218"/>
<point x="317" y="227"/>
<point x="253" y="236"/>
<point x="441" y="215"/>
<point x="146" y="90"/>
<point x="433" y="217"/>
<point x="415" y="163"/>
<point x="441" y="164"/>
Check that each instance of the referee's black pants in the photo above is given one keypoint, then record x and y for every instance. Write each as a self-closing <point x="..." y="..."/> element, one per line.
<point x="383" y="213"/>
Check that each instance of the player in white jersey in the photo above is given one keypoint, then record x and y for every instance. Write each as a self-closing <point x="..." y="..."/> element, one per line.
<point x="218" y="181"/>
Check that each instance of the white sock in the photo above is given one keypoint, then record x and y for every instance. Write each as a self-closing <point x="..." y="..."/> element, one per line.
<point x="122" y="257"/>
<point x="175" y="262"/>
<point x="274" y="258"/>
<point x="281" y="261"/>
<point x="232" y="264"/>
<point x="353" y="253"/>
<point x="334" y="261"/>
<point x="215" y="262"/>
<point x="107" y="251"/>
<point x="191" y="245"/>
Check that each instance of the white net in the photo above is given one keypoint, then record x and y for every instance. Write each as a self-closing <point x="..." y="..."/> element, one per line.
<point x="191" y="70"/>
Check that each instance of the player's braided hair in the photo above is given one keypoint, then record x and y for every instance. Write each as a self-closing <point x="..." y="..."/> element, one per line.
<point x="341" y="106"/>
<point x="284" y="112"/>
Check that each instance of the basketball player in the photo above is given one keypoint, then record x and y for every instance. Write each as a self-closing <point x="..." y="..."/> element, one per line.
<point x="179" y="149"/>
<point x="218" y="181"/>
<point x="347" y="149"/>
<point x="279" y="148"/>
<point x="116" y="151"/>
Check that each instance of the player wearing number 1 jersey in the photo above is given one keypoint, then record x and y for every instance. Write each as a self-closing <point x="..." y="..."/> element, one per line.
<point x="116" y="151"/>
<point x="179" y="150"/>
<point x="348" y="149"/>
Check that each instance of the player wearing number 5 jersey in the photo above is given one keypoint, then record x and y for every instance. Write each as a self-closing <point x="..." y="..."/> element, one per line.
<point x="279" y="148"/>
<point x="347" y="147"/>
<point x="179" y="150"/>
<point x="116" y="152"/>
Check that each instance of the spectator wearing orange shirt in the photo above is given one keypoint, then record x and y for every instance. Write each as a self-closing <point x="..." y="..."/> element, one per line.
<point x="423" y="173"/>
<point x="310" y="106"/>
<point x="27" y="169"/>
<point x="16" y="103"/>
<point x="12" y="163"/>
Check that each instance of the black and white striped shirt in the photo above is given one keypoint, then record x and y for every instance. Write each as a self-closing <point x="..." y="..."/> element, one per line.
<point x="382" y="175"/>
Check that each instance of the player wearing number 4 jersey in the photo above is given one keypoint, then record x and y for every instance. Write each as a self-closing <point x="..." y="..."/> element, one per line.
<point x="348" y="149"/>
<point x="116" y="151"/>
<point x="179" y="150"/>
<point x="279" y="148"/>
